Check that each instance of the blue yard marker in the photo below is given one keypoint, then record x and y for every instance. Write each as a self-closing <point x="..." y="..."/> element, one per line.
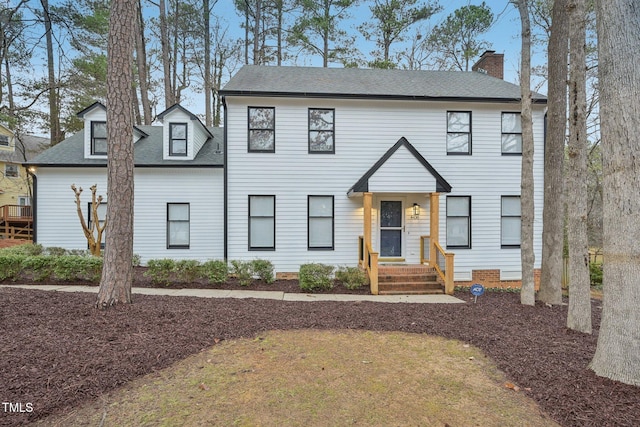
<point x="476" y="290"/>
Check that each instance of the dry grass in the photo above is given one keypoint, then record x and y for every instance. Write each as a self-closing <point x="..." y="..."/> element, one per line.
<point x="319" y="378"/>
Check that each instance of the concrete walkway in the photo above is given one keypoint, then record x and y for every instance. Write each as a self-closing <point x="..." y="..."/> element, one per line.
<point x="274" y="295"/>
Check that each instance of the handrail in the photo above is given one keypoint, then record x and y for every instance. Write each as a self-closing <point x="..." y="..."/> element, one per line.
<point x="8" y="212"/>
<point x="369" y="261"/>
<point x="444" y="267"/>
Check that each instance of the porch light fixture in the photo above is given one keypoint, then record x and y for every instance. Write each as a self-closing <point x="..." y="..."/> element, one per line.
<point x="416" y="211"/>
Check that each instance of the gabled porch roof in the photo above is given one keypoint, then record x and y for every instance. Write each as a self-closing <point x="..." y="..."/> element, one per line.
<point x="420" y="175"/>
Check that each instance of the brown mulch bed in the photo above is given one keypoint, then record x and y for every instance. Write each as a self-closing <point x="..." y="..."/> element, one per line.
<point x="57" y="351"/>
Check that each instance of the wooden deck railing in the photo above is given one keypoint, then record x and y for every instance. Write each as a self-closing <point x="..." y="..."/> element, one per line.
<point x="15" y="213"/>
<point x="368" y="259"/>
<point x="444" y="267"/>
<point x="16" y="222"/>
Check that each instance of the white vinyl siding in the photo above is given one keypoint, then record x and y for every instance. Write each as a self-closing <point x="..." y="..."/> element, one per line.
<point x="367" y="129"/>
<point x="202" y="188"/>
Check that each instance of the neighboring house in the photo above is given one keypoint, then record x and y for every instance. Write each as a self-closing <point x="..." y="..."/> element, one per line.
<point x="15" y="184"/>
<point x="338" y="166"/>
<point x="178" y="186"/>
<point x="317" y="157"/>
<point x="16" y="220"/>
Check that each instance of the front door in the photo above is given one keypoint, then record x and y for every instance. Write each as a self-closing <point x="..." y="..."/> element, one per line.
<point x="391" y="228"/>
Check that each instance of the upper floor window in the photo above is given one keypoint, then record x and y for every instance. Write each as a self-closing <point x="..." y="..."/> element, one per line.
<point x="4" y="140"/>
<point x="458" y="222"/>
<point x="510" y="218"/>
<point x="458" y="132"/>
<point x="321" y="130"/>
<point x="262" y="129"/>
<point x="11" y="170"/>
<point x="320" y="222"/>
<point x="511" y="133"/>
<point x="178" y="226"/>
<point x="99" y="138"/>
<point x="178" y="139"/>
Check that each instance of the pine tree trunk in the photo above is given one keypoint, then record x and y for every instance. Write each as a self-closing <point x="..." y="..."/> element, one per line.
<point x="579" y="315"/>
<point x="527" y="256"/>
<point x="54" y="107"/>
<point x="617" y="355"/>
<point x="117" y="271"/>
<point x="141" y="62"/>
<point x="207" y="64"/>
<point x="553" y="209"/>
<point x="166" y="63"/>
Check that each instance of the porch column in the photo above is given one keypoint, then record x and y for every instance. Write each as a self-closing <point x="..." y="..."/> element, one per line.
<point x="366" y="204"/>
<point x="434" y="225"/>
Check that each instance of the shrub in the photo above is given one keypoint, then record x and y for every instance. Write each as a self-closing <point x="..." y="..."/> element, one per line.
<point x="351" y="277"/>
<point x="76" y="267"/>
<point x="160" y="270"/>
<point x="10" y="266"/>
<point x="40" y="266"/>
<point x="136" y="260"/>
<point x="243" y="272"/>
<point x="595" y="273"/>
<point x="215" y="271"/>
<point x="188" y="269"/>
<point x="55" y="251"/>
<point x="263" y="269"/>
<point x="315" y="276"/>
<point x="27" y="249"/>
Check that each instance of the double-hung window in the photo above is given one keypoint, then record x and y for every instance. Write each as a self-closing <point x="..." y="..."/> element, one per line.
<point x="11" y="170"/>
<point x="459" y="222"/>
<point x="321" y="130"/>
<point x="101" y="218"/>
<point x="262" y="129"/>
<point x="510" y="218"/>
<point x="178" y="226"/>
<point x="178" y="139"/>
<point x="458" y="132"/>
<point x="4" y="140"/>
<point x="262" y="223"/>
<point x="320" y="222"/>
<point x="511" y="134"/>
<point x="99" y="138"/>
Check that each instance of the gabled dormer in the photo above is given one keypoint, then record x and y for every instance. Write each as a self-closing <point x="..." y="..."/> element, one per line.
<point x="183" y="134"/>
<point x="95" y="131"/>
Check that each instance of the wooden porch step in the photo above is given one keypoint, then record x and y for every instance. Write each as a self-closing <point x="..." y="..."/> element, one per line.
<point x="408" y="279"/>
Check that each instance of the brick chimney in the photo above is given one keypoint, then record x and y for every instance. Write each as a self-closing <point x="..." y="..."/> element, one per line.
<point x="490" y="63"/>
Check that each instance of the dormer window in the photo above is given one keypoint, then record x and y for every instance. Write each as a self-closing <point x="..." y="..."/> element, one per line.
<point x="99" y="138"/>
<point x="178" y="139"/>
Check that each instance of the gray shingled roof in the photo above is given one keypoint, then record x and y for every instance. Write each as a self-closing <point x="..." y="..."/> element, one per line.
<point x="32" y="146"/>
<point x="147" y="153"/>
<point x="371" y="83"/>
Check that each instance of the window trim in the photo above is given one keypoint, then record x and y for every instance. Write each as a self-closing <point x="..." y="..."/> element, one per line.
<point x="249" y="217"/>
<point x="333" y="131"/>
<point x="507" y="153"/>
<point x="503" y="246"/>
<point x="447" y="216"/>
<point x="2" y="141"/>
<point x="185" y="139"/>
<point x="170" y="221"/>
<point x="333" y="223"/>
<point x="93" y="138"/>
<point x="11" y="175"/>
<point x="249" y="129"/>
<point x="469" y="151"/>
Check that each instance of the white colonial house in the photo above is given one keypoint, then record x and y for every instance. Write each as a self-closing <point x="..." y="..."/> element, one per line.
<point x="397" y="171"/>
<point x="178" y="186"/>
